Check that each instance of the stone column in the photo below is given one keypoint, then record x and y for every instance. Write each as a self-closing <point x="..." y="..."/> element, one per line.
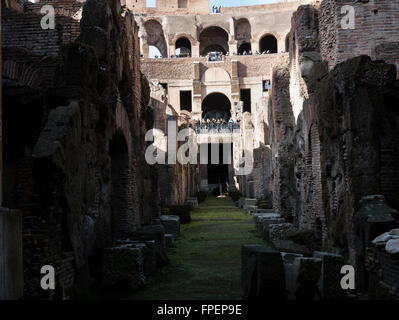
<point x="172" y="50"/>
<point x="195" y="50"/>
<point x="254" y="46"/>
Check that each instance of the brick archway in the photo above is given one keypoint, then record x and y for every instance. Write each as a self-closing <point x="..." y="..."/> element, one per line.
<point x="22" y="73"/>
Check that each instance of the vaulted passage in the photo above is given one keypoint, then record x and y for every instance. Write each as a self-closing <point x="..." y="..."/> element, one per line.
<point x="213" y="39"/>
<point x="216" y="105"/>
<point x="268" y="44"/>
<point x="183" y="47"/>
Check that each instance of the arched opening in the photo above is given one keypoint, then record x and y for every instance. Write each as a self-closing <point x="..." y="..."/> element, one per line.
<point x="155" y="37"/>
<point x="213" y="39"/>
<point x="244" y="48"/>
<point x="268" y="44"/>
<point x="22" y="121"/>
<point x="154" y="52"/>
<point x="243" y="35"/>
<point x="183" y="47"/>
<point x="216" y="106"/>
<point x="118" y="152"/>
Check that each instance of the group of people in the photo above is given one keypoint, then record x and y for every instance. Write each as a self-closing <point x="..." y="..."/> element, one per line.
<point x="216" y="125"/>
<point x="218" y="56"/>
<point x="216" y="9"/>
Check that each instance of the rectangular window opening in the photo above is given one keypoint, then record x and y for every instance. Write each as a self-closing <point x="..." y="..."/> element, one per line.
<point x="266" y="85"/>
<point x="246" y="99"/>
<point x="185" y="101"/>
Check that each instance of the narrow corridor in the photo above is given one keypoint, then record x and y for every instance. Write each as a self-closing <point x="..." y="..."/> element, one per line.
<point x="206" y="260"/>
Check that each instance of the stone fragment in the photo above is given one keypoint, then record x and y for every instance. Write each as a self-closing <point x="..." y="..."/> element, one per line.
<point x="171" y="224"/>
<point x="288" y="260"/>
<point x="307" y="275"/>
<point x="124" y="266"/>
<point x="262" y="273"/>
<point x="279" y="231"/>
<point x="154" y="232"/>
<point x="291" y="247"/>
<point x="392" y="246"/>
<point x="192" y="202"/>
<point x="330" y="277"/>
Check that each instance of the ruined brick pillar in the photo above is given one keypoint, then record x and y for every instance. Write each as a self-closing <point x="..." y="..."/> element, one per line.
<point x="235" y="85"/>
<point x="197" y="94"/>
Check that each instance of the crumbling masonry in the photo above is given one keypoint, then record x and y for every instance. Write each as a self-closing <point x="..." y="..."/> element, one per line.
<point x="317" y="112"/>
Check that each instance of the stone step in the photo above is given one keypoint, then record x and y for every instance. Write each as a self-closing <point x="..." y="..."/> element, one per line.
<point x="269" y="215"/>
<point x="248" y="202"/>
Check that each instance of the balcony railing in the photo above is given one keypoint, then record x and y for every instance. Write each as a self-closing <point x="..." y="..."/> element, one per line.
<point x="215" y="128"/>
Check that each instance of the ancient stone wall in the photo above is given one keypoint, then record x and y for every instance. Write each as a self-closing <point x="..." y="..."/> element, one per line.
<point x="335" y="134"/>
<point x="78" y="187"/>
<point x="374" y="34"/>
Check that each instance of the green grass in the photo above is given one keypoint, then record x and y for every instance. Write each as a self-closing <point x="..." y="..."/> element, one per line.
<point x="206" y="260"/>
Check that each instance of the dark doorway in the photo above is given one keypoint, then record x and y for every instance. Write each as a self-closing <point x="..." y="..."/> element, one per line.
<point x="244" y="48"/>
<point x="268" y="44"/>
<point x="119" y="188"/>
<point x="213" y="39"/>
<point x="22" y="121"/>
<point x="246" y="99"/>
<point x="218" y="174"/>
<point x="183" y="47"/>
<point x="216" y="105"/>
<point x="185" y="100"/>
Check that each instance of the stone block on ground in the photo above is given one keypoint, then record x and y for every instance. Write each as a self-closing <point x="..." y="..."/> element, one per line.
<point x="263" y="225"/>
<point x="169" y="240"/>
<point x="291" y="247"/>
<point x="279" y="231"/>
<point x="124" y="266"/>
<point x="262" y="273"/>
<point x="149" y="254"/>
<point x="267" y="215"/>
<point x="192" y="202"/>
<point x="290" y="274"/>
<point x="154" y="232"/>
<point x="241" y="202"/>
<point x="171" y="224"/>
<point x="259" y="210"/>
<point x="249" y="202"/>
<point x="330" y="277"/>
<point x="307" y="275"/>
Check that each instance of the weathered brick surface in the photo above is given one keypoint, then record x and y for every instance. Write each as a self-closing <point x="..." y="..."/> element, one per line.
<point x="375" y="32"/>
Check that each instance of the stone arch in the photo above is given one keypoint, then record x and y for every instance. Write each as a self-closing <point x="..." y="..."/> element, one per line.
<point x="214" y="38"/>
<point x="242" y="31"/>
<point x="184" y="44"/>
<point x="268" y="42"/>
<point x="22" y="73"/>
<point x="215" y="75"/>
<point x="154" y="36"/>
<point x="216" y="104"/>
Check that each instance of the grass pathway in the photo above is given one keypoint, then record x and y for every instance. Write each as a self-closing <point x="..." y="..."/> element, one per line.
<point x="206" y="260"/>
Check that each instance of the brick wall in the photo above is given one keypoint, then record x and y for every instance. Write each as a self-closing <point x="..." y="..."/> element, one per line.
<point x="375" y="34"/>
